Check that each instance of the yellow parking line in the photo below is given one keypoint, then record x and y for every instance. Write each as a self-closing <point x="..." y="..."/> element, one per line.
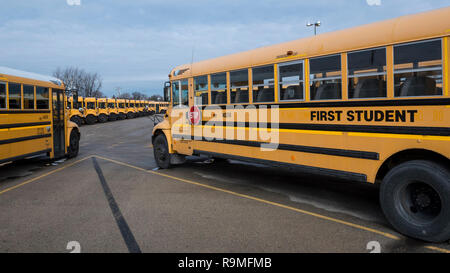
<point x="42" y="176"/>
<point x="388" y="235"/>
<point x="438" y="249"/>
<point x="372" y="230"/>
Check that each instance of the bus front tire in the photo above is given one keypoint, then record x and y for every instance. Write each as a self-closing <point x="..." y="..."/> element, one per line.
<point x="415" y="198"/>
<point x="161" y="152"/>
<point x="74" y="146"/>
<point x="77" y="120"/>
<point x="91" y="119"/>
<point x="102" y="118"/>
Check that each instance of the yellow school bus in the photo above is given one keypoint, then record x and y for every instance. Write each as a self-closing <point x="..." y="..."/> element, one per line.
<point x="141" y="108"/>
<point x="152" y="107"/>
<point x="113" y="110"/>
<point x="131" y="109"/>
<point x="102" y="110"/>
<point x="122" y="109"/>
<point x="76" y="110"/>
<point x="369" y="104"/>
<point x="160" y="106"/>
<point x="164" y="107"/>
<point x="32" y="117"/>
<point x="91" y="111"/>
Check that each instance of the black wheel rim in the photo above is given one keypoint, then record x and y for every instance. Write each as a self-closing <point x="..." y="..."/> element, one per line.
<point x="420" y="202"/>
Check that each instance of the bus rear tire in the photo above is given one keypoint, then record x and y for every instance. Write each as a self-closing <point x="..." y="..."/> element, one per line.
<point x="74" y="145"/>
<point x="161" y="152"/>
<point x="415" y="198"/>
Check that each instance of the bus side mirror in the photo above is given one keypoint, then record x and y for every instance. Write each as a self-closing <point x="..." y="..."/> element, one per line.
<point x="75" y="95"/>
<point x="167" y="91"/>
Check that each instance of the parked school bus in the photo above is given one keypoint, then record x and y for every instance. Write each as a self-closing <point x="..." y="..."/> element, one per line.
<point x="32" y="117"/>
<point x="160" y="106"/>
<point x="102" y="110"/>
<point x="76" y="110"/>
<point x="113" y="111"/>
<point x="91" y="110"/>
<point x="122" y="108"/>
<point x="145" y="105"/>
<point x="140" y="108"/>
<point x="131" y="110"/>
<point x="163" y="107"/>
<point x="369" y="104"/>
<point x="152" y="107"/>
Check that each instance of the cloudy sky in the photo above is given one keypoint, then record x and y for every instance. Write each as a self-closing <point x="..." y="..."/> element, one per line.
<point x="134" y="44"/>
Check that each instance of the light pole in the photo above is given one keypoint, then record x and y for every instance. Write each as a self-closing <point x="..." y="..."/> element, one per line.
<point x="316" y="25"/>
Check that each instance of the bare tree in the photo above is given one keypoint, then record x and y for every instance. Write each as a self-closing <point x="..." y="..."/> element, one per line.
<point x="156" y="98"/>
<point x="139" y="96"/>
<point x="125" y="95"/>
<point x="87" y="84"/>
<point x="91" y="84"/>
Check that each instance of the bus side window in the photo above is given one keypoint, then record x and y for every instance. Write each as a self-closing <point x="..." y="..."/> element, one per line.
<point x="239" y="86"/>
<point x="263" y="84"/>
<point x="418" y="69"/>
<point x="326" y="78"/>
<point x="201" y="90"/>
<point x="219" y="88"/>
<point x="42" y="97"/>
<point x="291" y="81"/>
<point x="15" y="96"/>
<point x="2" y="96"/>
<point x="367" y="74"/>
<point x="28" y="97"/>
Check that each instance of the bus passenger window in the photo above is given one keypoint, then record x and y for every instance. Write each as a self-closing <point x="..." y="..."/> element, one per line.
<point x="239" y="86"/>
<point x="15" y="96"/>
<point x="2" y="96"/>
<point x="219" y="88"/>
<point x="263" y="84"/>
<point x="201" y="90"/>
<point x="367" y="74"/>
<point x="42" y="96"/>
<point x="418" y="69"/>
<point x="325" y="78"/>
<point x="102" y="105"/>
<point x="28" y="97"/>
<point x="291" y="81"/>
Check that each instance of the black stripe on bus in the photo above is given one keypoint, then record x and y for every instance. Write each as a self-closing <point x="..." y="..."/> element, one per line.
<point x="24" y="156"/>
<point x="17" y="125"/>
<point x="301" y="168"/>
<point x="404" y="130"/>
<point x="20" y="139"/>
<point x="293" y="148"/>
<point x="350" y="103"/>
<point x="24" y="112"/>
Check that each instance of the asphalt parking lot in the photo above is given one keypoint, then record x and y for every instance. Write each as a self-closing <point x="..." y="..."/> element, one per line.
<point x="111" y="198"/>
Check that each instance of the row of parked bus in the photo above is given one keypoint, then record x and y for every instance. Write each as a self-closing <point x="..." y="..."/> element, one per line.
<point x="93" y="110"/>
